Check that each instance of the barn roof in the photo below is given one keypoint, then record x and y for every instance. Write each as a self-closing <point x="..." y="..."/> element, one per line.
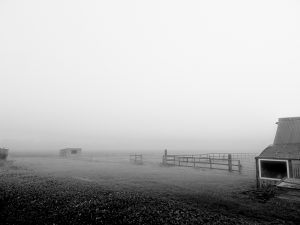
<point x="281" y="151"/>
<point x="288" y="131"/>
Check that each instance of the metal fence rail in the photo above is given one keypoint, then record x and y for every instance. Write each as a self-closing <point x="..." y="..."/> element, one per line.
<point x="219" y="161"/>
<point x="203" y="162"/>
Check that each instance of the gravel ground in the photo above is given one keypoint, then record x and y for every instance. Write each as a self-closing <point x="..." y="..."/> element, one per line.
<point x="29" y="198"/>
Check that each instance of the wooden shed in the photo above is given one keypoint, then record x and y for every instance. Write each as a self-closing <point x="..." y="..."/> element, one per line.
<point x="70" y="152"/>
<point x="3" y="153"/>
<point x="281" y="160"/>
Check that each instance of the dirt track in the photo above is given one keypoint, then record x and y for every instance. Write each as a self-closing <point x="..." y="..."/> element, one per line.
<point x="35" y="198"/>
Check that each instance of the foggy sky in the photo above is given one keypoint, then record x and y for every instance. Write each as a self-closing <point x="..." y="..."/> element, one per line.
<point x="190" y="75"/>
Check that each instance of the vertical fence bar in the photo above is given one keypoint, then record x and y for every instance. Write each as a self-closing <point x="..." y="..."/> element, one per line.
<point x="229" y="163"/>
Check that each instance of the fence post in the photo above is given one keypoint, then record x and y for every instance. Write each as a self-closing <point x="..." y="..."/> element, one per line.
<point x="210" y="163"/>
<point x="240" y="166"/>
<point x="194" y="162"/>
<point x="257" y="173"/>
<point x="165" y="157"/>
<point x="229" y="163"/>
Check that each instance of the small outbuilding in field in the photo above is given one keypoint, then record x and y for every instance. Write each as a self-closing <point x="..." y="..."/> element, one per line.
<point x="281" y="161"/>
<point x="66" y="152"/>
<point x="3" y="153"/>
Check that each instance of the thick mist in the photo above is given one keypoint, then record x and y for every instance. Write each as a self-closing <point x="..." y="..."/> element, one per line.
<point x="137" y="76"/>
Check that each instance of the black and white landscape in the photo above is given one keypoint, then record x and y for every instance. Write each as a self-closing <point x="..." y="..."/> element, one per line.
<point x="149" y="112"/>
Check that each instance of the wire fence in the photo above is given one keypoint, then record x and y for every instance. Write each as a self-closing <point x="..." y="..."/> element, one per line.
<point x="244" y="163"/>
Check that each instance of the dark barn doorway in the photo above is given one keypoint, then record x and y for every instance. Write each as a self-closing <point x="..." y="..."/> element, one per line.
<point x="273" y="169"/>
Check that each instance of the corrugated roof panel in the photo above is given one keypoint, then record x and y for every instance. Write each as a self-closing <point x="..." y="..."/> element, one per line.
<point x="288" y="131"/>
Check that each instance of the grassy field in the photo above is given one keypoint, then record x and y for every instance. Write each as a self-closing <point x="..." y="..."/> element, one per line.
<point x="110" y="190"/>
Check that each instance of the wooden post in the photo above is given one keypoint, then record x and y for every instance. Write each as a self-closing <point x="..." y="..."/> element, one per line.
<point x="290" y="168"/>
<point x="210" y="163"/>
<point x="164" y="161"/>
<point x="229" y="163"/>
<point x="239" y="165"/>
<point x="257" y="172"/>
<point x="194" y="162"/>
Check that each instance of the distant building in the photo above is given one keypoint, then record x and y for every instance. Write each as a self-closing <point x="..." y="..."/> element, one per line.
<point x="70" y="152"/>
<point x="282" y="159"/>
<point x="3" y="153"/>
